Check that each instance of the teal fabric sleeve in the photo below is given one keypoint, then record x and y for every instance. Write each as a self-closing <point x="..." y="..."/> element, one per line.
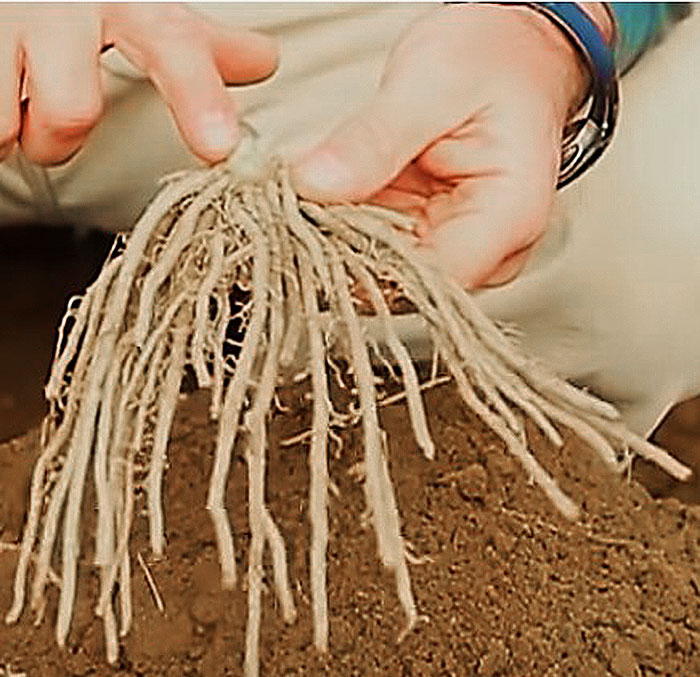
<point x="642" y="24"/>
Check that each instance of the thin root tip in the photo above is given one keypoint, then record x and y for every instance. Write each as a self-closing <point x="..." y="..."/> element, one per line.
<point x="685" y="474"/>
<point x="571" y="511"/>
<point x="228" y="580"/>
<point x="321" y="644"/>
<point x="61" y="637"/>
<point x="410" y="625"/>
<point x="290" y="617"/>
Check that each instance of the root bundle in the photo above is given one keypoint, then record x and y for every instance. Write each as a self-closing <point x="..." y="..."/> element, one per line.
<point x="310" y="287"/>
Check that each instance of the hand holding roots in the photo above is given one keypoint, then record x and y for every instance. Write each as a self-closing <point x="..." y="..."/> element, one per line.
<point x="163" y="304"/>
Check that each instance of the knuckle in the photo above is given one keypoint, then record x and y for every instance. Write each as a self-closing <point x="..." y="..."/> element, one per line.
<point x="172" y="32"/>
<point x="176" y="58"/>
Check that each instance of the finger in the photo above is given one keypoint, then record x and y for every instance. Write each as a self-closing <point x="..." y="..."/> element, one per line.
<point x="241" y="56"/>
<point x="10" y="70"/>
<point x="401" y="201"/>
<point x="368" y="150"/>
<point x="413" y="179"/>
<point x="475" y="150"/>
<point x="63" y="86"/>
<point x="502" y="201"/>
<point x="413" y="192"/>
<point x="500" y="218"/>
<point x="509" y="268"/>
<point x="188" y="79"/>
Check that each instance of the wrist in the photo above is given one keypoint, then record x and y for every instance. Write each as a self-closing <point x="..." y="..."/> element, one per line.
<point x="586" y="138"/>
<point x="569" y="76"/>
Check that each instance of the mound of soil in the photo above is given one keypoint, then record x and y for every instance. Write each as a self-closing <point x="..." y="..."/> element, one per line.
<point x="506" y="585"/>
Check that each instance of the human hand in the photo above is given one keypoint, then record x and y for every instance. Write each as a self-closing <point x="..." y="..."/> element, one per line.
<point x="50" y="54"/>
<point x="465" y="133"/>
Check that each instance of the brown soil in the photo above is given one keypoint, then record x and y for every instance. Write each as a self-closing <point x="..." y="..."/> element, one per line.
<point x="507" y="586"/>
<point x="511" y="589"/>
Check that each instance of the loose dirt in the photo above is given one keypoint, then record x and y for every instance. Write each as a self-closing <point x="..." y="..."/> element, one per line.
<point x="506" y="585"/>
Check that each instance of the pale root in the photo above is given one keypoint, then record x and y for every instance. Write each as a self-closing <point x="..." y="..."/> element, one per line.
<point x="239" y="282"/>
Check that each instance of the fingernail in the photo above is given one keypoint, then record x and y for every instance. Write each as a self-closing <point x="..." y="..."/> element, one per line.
<point x="219" y="134"/>
<point x="322" y="173"/>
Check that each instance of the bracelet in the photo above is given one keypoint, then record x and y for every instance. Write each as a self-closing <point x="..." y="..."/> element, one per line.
<point x="585" y="139"/>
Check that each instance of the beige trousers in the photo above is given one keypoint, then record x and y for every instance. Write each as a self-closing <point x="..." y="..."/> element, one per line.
<point x="611" y="298"/>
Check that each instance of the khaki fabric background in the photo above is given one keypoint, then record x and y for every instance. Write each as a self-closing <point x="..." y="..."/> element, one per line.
<point x="610" y="298"/>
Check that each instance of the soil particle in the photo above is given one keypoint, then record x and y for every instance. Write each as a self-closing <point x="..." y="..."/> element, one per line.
<point x="206" y="609"/>
<point x="494" y="660"/>
<point x="623" y="663"/>
<point x="473" y="482"/>
<point x="648" y="645"/>
<point x="507" y="586"/>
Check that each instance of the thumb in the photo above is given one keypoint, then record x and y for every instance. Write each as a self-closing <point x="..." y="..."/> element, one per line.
<point x="371" y="148"/>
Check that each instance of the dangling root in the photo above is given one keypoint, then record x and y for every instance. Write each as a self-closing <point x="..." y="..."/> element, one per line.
<point x="235" y="281"/>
